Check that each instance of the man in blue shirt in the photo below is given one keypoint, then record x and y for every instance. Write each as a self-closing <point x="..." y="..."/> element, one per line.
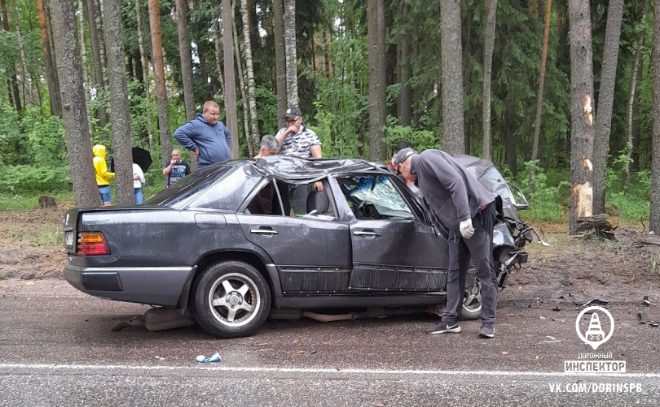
<point x="206" y="136"/>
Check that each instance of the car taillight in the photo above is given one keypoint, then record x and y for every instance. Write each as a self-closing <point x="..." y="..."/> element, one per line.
<point x="92" y="244"/>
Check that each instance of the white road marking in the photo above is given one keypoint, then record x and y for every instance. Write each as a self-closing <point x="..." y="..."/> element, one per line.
<point x="322" y="370"/>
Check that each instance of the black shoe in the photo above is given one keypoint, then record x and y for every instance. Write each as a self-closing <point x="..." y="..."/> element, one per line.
<point x="444" y="327"/>
<point x="487" y="331"/>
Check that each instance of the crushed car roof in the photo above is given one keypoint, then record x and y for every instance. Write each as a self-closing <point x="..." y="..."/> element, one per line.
<point x="300" y="169"/>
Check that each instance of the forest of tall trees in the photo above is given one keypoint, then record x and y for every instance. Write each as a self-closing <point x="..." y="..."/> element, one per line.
<point x="559" y="95"/>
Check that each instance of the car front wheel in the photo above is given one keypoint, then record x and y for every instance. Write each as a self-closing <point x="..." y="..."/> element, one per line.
<point x="231" y="299"/>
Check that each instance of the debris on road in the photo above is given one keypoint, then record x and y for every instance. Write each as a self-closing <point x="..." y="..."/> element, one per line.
<point x="505" y="353"/>
<point x="641" y="315"/>
<point x="214" y="358"/>
<point x="159" y="357"/>
<point x="541" y="317"/>
<point x="595" y="301"/>
<point x="552" y="338"/>
<point x="556" y="309"/>
<point x="655" y="324"/>
<point x="646" y="301"/>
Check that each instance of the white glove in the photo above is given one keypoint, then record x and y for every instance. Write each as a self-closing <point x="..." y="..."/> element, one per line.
<point x="467" y="231"/>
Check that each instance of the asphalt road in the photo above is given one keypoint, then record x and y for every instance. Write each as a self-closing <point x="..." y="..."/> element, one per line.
<point x="56" y="349"/>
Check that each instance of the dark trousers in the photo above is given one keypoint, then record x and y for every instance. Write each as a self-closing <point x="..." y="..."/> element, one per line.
<point x="480" y="248"/>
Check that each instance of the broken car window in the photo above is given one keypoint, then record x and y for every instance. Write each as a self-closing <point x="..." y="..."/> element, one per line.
<point x="374" y="201"/>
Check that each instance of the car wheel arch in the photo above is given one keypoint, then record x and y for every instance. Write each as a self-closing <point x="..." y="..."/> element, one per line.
<point x="251" y="258"/>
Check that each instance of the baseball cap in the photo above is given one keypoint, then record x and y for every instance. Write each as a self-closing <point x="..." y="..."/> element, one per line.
<point x="403" y="155"/>
<point x="292" y="113"/>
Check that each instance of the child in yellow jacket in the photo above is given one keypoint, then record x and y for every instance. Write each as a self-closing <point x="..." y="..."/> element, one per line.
<point x="102" y="174"/>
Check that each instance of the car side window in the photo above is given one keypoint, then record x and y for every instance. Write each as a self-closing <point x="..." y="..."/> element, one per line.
<point x="374" y="197"/>
<point x="229" y="193"/>
<point x="296" y="200"/>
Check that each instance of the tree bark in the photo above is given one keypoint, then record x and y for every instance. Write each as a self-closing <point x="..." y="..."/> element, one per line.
<point x="250" y="75"/>
<point x="230" y="78"/>
<point x="145" y="70"/>
<point x="328" y="62"/>
<point x="280" y="61"/>
<point x="582" y="117"/>
<point x="122" y="136"/>
<point x="405" y="97"/>
<point x="654" y="219"/>
<point x="186" y="60"/>
<point x="632" y="93"/>
<point x="51" y="74"/>
<point x="488" y="65"/>
<point x="14" y="93"/>
<point x="78" y="140"/>
<point x="539" y="95"/>
<point x="290" y="55"/>
<point x="453" y="140"/>
<point x="159" y="73"/>
<point x="241" y="86"/>
<point x="83" y="60"/>
<point x="96" y="37"/>
<point x="606" y="101"/>
<point x="510" y="154"/>
<point x="377" y="78"/>
<point x="217" y="41"/>
<point x="25" y="73"/>
<point x="636" y="137"/>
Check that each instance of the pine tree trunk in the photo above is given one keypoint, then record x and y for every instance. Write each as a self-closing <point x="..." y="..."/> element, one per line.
<point x="25" y="73"/>
<point x="376" y="59"/>
<point x="230" y="78"/>
<point x="78" y="140"/>
<point x="488" y="65"/>
<point x="186" y="60"/>
<point x="328" y="62"/>
<point x="250" y="76"/>
<point x="654" y="220"/>
<point x="539" y="95"/>
<point x="453" y="140"/>
<point x="280" y="61"/>
<point x="290" y="55"/>
<point x="634" y="153"/>
<point x="510" y="153"/>
<point x="14" y="93"/>
<point x="83" y="59"/>
<point x="159" y="73"/>
<point x="606" y="101"/>
<point x="405" y="98"/>
<point x="51" y="74"/>
<point x="217" y="41"/>
<point x="120" y="120"/>
<point x="632" y="94"/>
<point x="96" y="37"/>
<point x="145" y="70"/>
<point x="241" y="86"/>
<point x="582" y="118"/>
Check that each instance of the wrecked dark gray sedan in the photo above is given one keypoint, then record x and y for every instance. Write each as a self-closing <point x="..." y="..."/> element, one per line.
<point x="243" y="240"/>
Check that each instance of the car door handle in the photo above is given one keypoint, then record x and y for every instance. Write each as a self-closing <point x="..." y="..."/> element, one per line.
<point x="264" y="231"/>
<point x="365" y="233"/>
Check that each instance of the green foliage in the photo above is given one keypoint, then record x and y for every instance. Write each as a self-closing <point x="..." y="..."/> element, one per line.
<point x="547" y="203"/>
<point x="420" y="140"/>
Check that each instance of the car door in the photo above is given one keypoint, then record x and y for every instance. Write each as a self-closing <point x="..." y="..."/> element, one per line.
<point x="311" y="253"/>
<point x="393" y="248"/>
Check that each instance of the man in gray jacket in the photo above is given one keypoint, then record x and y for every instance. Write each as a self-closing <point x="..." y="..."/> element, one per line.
<point x="464" y="211"/>
<point x="206" y="136"/>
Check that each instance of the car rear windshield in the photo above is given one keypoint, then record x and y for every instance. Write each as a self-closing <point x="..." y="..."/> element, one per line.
<point x="178" y="194"/>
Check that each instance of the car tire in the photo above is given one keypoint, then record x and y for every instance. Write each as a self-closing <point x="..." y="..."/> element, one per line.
<point x="471" y="306"/>
<point x="231" y="299"/>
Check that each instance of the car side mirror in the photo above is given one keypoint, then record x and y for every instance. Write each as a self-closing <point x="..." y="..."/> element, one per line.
<point x="523" y="204"/>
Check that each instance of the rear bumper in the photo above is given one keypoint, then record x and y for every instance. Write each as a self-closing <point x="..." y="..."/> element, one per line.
<point x="145" y="285"/>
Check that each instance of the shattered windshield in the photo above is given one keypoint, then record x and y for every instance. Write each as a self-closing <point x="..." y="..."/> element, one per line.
<point x="383" y="196"/>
